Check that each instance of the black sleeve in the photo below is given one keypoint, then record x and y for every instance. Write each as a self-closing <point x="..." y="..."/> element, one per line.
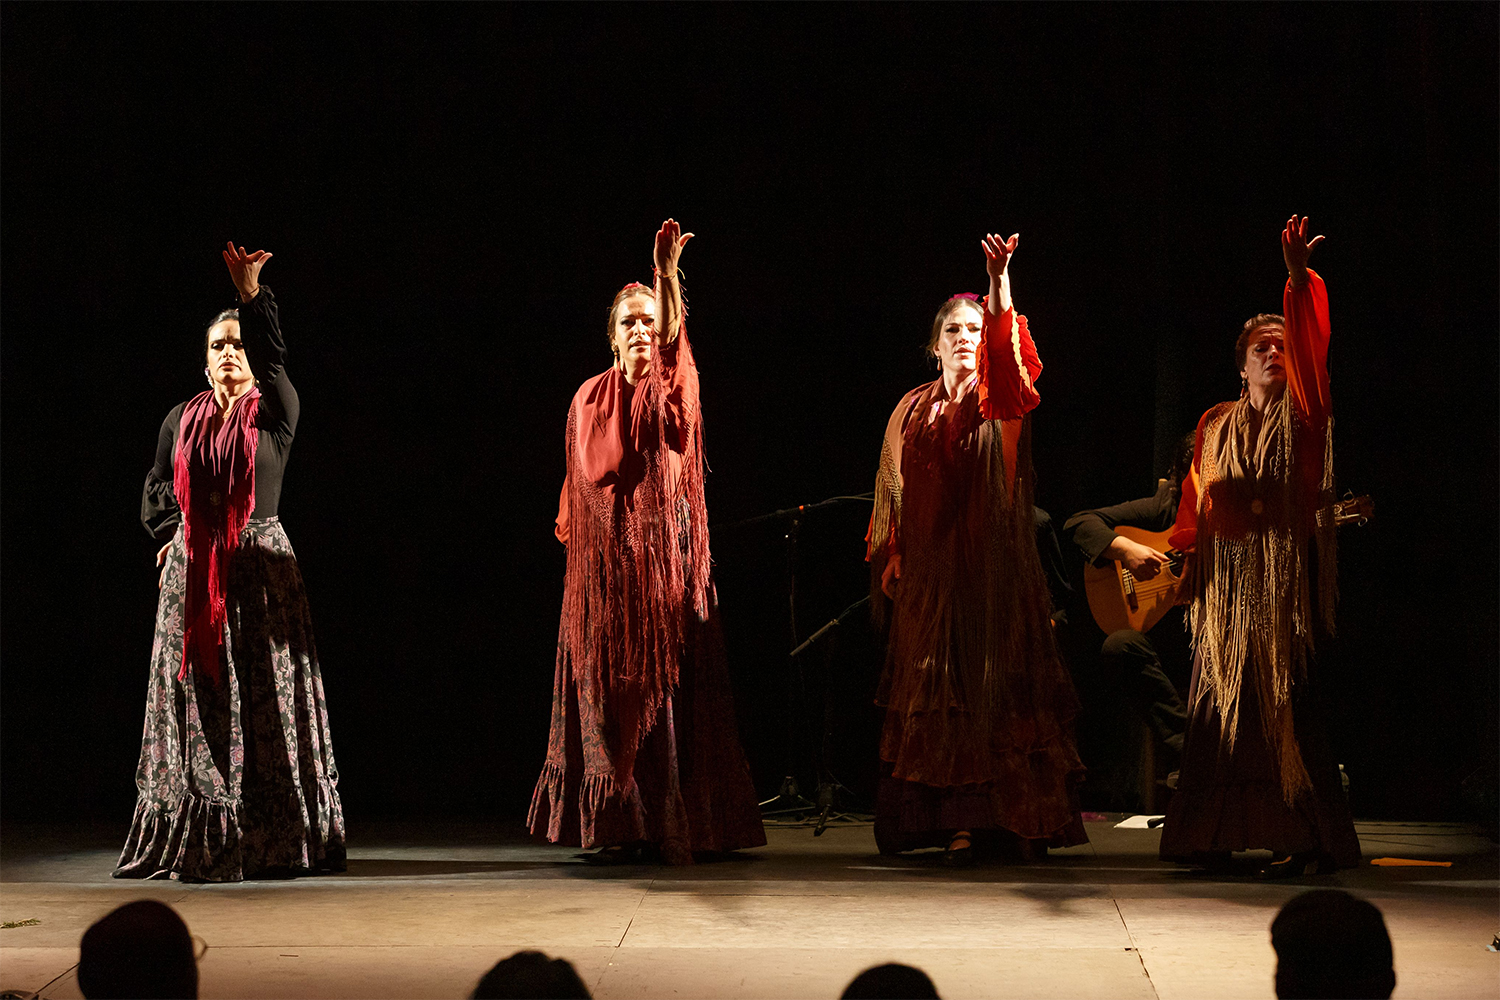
<point x="1092" y="531"/>
<point x="159" y="512"/>
<point x="1053" y="566"/>
<point x="260" y="329"/>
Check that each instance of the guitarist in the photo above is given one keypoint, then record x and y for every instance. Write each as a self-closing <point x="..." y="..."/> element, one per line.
<point x="1152" y="671"/>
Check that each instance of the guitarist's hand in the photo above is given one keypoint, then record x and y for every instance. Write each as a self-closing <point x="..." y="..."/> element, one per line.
<point x="1143" y="561"/>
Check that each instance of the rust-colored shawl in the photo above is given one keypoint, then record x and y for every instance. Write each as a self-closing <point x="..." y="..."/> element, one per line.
<point x="633" y="516"/>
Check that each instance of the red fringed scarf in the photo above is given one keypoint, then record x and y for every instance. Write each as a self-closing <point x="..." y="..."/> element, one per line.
<point x="214" y="479"/>
<point x="638" y="538"/>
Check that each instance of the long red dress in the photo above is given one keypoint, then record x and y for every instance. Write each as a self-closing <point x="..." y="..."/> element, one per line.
<point x="643" y="745"/>
<point x="1256" y="514"/>
<point x="979" y="705"/>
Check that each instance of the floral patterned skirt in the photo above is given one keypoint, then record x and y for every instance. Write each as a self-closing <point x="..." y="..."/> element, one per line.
<point x="237" y="778"/>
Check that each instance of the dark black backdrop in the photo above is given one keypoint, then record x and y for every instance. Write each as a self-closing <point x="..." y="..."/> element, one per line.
<point x="453" y="193"/>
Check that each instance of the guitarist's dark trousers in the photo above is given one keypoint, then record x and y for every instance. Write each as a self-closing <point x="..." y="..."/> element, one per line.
<point x="1152" y="672"/>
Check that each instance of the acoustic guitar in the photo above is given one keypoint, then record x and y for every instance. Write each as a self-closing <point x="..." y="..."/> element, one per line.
<point x="1118" y="600"/>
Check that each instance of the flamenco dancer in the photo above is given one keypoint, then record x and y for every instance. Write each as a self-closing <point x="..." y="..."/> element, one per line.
<point x="643" y="760"/>
<point x="977" y="744"/>
<point x="236" y="777"/>
<point x="1256" y="515"/>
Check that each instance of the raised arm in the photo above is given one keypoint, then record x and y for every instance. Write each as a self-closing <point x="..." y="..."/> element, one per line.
<point x="1008" y="362"/>
<point x="674" y="363"/>
<point x="1296" y="248"/>
<point x="260" y="329"/>
<point x="1305" y="305"/>
<point x="670" y="239"/>
<point x="997" y="253"/>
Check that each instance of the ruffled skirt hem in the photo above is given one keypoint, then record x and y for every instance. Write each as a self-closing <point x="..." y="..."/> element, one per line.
<point x="203" y="841"/>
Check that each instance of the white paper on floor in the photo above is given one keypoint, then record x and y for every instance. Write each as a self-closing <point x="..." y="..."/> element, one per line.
<point x="1136" y="822"/>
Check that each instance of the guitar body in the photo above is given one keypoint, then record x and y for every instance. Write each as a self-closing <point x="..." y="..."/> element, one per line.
<point x="1118" y="600"/>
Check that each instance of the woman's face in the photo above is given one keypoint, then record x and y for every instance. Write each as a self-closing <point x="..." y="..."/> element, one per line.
<point x="1265" y="363"/>
<point x="635" y="330"/>
<point x="227" y="364"/>
<point x="958" y="343"/>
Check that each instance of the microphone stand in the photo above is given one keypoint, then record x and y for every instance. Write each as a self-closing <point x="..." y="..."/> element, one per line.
<point x="827" y="783"/>
<point x="789" y="798"/>
<point x="794" y="513"/>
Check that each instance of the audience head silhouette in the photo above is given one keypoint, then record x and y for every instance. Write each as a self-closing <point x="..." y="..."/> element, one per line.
<point x="530" y="975"/>
<point x="1330" y="944"/>
<point x="140" y="950"/>
<point x="891" y="982"/>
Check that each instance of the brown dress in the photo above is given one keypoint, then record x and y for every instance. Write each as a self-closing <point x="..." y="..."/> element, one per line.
<point x="1256" y="514"/>
<point x="979" y="705"/>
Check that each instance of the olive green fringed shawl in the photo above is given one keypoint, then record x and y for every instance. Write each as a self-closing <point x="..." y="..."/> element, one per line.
<point x="1253" y="604"/>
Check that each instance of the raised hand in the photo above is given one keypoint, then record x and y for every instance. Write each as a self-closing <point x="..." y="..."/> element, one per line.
<point x="244" y="269"/>
<point x="1296" y="248"/>
<point x="670" y="239"/>
<point x="997" y="253"/>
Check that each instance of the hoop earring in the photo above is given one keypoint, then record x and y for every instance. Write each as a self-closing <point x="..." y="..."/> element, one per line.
<point x="209" y="377"/>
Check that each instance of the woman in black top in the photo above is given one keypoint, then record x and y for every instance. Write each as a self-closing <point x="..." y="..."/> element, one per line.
<point x="236" y="776"/>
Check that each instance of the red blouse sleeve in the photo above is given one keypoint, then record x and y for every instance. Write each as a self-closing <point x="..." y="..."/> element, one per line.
<point x="1008" y="367"/>
<point x="562" y="529"/>
<point x="1185" y="531"/>
<point x="1307" y="336"/>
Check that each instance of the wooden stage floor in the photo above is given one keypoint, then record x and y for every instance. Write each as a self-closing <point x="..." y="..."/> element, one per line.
<point x="424" y="910"/>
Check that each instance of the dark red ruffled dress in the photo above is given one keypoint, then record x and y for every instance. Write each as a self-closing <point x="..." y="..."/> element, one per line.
<point x="979" y="706"/>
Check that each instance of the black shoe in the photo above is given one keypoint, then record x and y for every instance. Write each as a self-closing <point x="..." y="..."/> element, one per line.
<point x="1213" y="862"/>
<point x="1031" y="851"/>
<point x="959" y="857"/>
<point x="615" y="854"/>
<point x="1293" y="866"/>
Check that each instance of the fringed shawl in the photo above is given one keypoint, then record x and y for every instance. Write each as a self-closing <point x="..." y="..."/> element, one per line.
<point x="1261" y="488"/>
<point x="636" y="526"/>
<point x="214" y="482"/>
<point x="973" y="677"/>
<point x="1004" y="388"/>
